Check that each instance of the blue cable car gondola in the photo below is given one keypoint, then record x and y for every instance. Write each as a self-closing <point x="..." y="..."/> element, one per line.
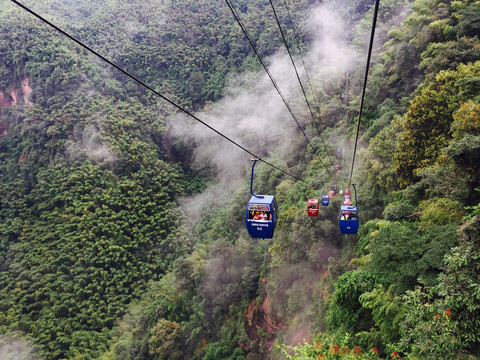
<point x="348" y="217"/>
<point x="325" y="198"/>
<point x="262" y="214"/>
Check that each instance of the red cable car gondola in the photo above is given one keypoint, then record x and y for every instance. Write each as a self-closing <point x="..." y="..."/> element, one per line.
<point x="312" y="206"/>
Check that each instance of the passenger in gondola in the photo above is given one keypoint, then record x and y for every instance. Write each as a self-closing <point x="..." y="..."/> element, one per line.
<point x="263" y="216"/>
<point x="256" y="216"/>
<point x="352" y="216"/>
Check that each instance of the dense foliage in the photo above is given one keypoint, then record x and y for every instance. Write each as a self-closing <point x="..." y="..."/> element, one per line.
<point x="118" y="242"/>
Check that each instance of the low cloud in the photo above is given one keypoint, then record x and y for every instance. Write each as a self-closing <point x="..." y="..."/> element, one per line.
<point x="18" y="349"/>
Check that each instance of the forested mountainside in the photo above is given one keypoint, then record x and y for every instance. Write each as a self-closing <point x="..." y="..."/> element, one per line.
<point x="122" y="221"/>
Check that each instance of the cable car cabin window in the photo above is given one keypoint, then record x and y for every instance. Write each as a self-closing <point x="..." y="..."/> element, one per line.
<point x="349" y="215"/>
<point x="259" y="212"/>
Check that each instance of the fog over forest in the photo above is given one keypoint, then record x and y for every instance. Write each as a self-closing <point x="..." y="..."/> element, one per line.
<point x="123" y="222"/>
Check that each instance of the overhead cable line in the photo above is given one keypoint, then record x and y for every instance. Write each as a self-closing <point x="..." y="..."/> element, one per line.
<point x="298" y="76"/>
<point x="267" y="70"/>
<point x="293" y="63"/>
<point x="295" y="34"/>
<point x="150" y="88"/>
<point x="370" y="47"/>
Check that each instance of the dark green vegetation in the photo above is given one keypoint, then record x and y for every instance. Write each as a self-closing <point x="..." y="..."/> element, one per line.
<point x="97" y="257"/>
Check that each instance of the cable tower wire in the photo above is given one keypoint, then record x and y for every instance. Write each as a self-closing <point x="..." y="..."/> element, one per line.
<point x="150" y="88"/>
<point x="293" y="64"/>
<point x="267" y="70"/>
<point x="370" y="47"/>
<point x="298" y="76"/>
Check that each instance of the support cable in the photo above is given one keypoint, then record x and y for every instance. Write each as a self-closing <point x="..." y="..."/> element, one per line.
<point x="294" y="66"/>
<point x="370" y="47"/>
<point x="298" y="76"/>
<point x="150" y="88"/>
<point x="242" y="26"/>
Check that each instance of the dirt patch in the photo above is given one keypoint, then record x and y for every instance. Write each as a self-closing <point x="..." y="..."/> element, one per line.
<point x="262" y="325"/>
<point x="9" y="97"/>
<point x="26" y="90"/>
<point x="22" y="158"/>
<point x="4" y="100"/>
<point x="13" y="95"/>
<point x="3" y="128"/>
<point x="302" y="334"/>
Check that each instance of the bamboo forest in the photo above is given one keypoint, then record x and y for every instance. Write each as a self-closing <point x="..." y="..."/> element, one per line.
<point x="135" y="225"/>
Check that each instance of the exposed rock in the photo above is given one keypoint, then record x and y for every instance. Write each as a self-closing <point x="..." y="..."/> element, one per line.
<point x="10" y="98"/>
<point x="26" y="90"/>
<point x="261" y="325"/>
<point x="13" y="95"/>
<point x="4" y="100"/>
<point x="3" y="128"/>
<point x="22" y="158"/>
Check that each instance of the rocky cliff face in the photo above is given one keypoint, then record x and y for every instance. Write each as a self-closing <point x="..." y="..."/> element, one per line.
<point x="27" y="90"/>
<point x="10" y="97"/>
<point x="6" y="100"/>
<point x="3" y="128"/>
<point x="262" y="325"/>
